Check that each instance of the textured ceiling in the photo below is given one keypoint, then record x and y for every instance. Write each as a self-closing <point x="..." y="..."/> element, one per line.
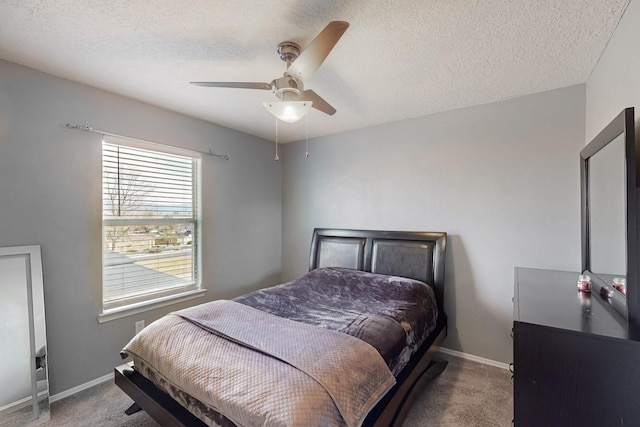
<point x="398" y="59"/>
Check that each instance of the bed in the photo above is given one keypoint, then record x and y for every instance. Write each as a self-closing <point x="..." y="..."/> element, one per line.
<point x="393" y="258"/>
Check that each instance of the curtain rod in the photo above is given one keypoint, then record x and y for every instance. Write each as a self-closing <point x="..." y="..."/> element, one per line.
<point x="88" y="128"/>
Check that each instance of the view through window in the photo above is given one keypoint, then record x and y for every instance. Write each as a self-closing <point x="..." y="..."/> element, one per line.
<point x="150" y="223"/>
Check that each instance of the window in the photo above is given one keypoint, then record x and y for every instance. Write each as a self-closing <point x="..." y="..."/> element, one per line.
<point x="150" y="224"/>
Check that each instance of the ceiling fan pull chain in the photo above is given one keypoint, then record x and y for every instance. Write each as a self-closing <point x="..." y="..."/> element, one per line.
<point x="276" y="158"/>
<point x="307" y="153"/>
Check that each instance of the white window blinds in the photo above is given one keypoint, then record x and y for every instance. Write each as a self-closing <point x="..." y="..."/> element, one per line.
<point x="150" y="223"/>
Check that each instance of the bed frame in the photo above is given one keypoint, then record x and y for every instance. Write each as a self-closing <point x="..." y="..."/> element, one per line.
<point x="416" y="255"/>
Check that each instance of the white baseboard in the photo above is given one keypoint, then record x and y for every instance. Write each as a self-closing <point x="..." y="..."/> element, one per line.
<point x="80" y="388"/>
<point x="474" y="358"/>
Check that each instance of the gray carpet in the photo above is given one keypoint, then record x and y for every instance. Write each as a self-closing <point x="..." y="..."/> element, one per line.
<point x="466" y="394"/>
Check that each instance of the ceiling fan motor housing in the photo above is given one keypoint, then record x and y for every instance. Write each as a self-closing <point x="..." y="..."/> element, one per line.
<point x="287" y="85"/>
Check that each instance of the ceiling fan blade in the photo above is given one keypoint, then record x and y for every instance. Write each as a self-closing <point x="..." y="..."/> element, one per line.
<point x="239" y="85"/>
<point x="305" y="66"/>
<point x="318" y="102"/>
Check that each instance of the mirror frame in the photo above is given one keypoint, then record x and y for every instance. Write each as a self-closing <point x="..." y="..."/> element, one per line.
<point x="34" y="410"/>
<point x="623" y="124"/>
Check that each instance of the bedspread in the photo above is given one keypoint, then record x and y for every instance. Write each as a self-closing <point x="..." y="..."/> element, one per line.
<point x="393" y="314"/>
<point x="333" y="379"/>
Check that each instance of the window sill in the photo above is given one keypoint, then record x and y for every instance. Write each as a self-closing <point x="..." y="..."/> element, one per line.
<point x="130" y="310"/>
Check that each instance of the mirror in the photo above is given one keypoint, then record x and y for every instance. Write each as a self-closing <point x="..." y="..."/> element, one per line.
<point x="608" y="177"/>
<point x="607" y="211"/>
<point x="24" y="396"/>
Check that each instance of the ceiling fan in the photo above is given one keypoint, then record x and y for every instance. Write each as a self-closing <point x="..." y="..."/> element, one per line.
<point x="301" y="66"/>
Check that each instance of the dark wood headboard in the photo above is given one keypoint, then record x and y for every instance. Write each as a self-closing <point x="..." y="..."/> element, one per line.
<point x="412" y="254"/>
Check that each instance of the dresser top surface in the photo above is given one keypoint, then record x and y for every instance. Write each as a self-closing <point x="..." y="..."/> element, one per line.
<point x="551" y="298"/>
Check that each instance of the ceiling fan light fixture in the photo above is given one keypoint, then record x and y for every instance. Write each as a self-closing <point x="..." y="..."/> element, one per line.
<point x="288" y="111"/>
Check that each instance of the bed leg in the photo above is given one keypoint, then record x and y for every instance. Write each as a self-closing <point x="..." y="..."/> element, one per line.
<point x="435" y="368"/>
<point x="133" y="409"/>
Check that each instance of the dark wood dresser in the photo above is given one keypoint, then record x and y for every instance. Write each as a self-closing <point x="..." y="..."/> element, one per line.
<point x="574" y="364"/>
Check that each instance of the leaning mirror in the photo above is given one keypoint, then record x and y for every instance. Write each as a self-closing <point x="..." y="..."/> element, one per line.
<point x="24" y="390"/>
<point x="608" y="175"/>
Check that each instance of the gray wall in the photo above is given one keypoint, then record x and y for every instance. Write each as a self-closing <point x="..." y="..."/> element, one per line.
<point x="501" y="179"/>
<point x="50" y="194"/>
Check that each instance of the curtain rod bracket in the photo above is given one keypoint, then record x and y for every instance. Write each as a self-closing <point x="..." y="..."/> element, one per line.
<point x="221" y="156"/>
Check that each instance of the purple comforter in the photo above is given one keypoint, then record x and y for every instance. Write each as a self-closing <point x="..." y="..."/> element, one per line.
<point x="393" y="314"/>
